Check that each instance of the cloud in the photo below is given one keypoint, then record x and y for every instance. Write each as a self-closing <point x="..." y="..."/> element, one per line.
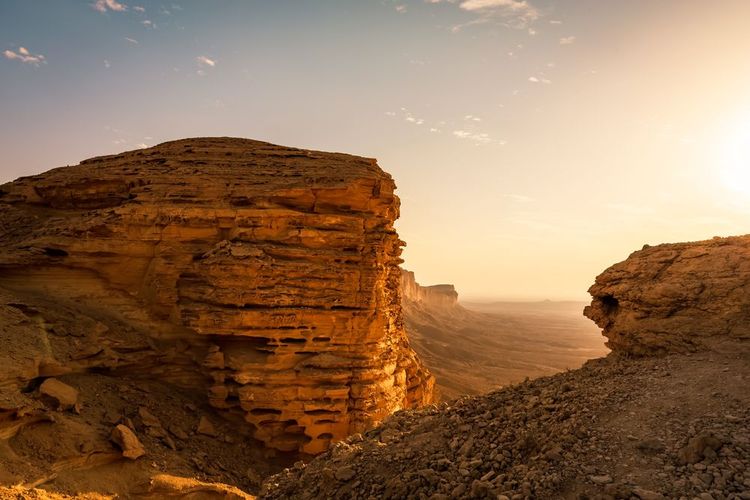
<point x="534" y="79"/>
<point x="476" y="137"/>
<point x="567" y="40"/>
<point x="107" y="64"/>
<point x="205" y="61"/>
<point x="516" y="13"/>
<point x="148" y="23"/>
<point x="472" y="118"/>
<point x="401" y="9"/>
<point x="105" y="5"/>
<point x="138" y="8"/>
<point x="25" y="56"/>
<point x="131" y="40"/>
<point x="555" y="21"/>
<point x="512" y="13"/>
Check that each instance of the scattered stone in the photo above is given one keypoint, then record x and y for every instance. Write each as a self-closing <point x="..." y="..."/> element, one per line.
<point x="148" y="418"/>
<point x="128" y="442"/>
<point x="605" y="479"/>
<point x="65" y="396"/>
<point x="206" y="427"/>
<point x="344" y="474"/>
<point x="178" y="432"/>
<point x="651" y="446"/>
<point x="645" y="494"/>
<point x="695" y="450"/>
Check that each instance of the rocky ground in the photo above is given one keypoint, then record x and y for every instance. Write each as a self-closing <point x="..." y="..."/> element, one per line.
<point x="168" y="432"/>
<point x="670" y="427"/>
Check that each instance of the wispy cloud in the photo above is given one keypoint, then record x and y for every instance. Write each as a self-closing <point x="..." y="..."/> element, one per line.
<point x="540" y="79"/>
<point x="478" y="138"/>
<point x="138" y="8"/>
<point x="23" y="55"/>
<point x="148" y="23"/>
<point x="107" y="64"/>
<point x="401" y="9"/>
<point x="205" y="61"/>
<point x="515" y="13"/>
<point x="131" y="40"/>
<point x="105" y="5"/>
<point x="567" y="40"/>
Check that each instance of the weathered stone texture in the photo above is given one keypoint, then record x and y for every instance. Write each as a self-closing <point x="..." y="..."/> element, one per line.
<point x="675" y="297"/>
<point x="280" y="264"/>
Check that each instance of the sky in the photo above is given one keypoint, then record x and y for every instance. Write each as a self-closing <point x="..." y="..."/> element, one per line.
<point x="534" y="143"/>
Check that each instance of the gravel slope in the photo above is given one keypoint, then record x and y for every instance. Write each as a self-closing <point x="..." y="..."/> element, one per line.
<point x="669" y="427"/>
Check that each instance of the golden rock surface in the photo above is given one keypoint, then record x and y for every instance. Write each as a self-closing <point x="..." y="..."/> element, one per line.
<point x="265" y="276"/>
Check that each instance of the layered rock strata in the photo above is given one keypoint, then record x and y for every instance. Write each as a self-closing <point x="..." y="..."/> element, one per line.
<point x="434" y="295"/>
<point x="675" y="297"/>
<point x="269" y="271"/>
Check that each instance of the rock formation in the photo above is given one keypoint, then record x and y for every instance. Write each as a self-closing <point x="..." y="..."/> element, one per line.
<point x="442" y="296"/>
<point x="266" y="276"/>
<point x="675" y="297"/>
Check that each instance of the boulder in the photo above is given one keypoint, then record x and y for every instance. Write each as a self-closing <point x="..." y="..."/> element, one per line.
<point x="128" y="442"/>
<point x="675" y="297"/>
<point x="65" y="396"/>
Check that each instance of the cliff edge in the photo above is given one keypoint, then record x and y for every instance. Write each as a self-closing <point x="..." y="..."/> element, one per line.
<point x="263" y="278"/>
<point x="675" y="297"/>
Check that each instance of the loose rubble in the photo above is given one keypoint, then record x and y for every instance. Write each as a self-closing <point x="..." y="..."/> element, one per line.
<point x="671" y="427"/>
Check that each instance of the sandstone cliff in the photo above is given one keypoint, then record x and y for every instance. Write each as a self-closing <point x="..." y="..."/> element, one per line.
<point x="441" y="296"/>
<point x="263" y="276"/>
<point x="675" y="297"/>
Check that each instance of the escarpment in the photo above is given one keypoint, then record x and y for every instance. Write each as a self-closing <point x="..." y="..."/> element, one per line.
<point x="263" y="275"/>
<point x="443" y="296"/>
<point x="675" y="297"/>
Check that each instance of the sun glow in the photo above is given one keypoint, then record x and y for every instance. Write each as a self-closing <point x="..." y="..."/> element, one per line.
<point x="735" y="158"/>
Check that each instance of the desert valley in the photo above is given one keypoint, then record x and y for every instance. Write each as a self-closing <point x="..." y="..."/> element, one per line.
<point x="178" y="335"/>
<point x="393" y="249"/>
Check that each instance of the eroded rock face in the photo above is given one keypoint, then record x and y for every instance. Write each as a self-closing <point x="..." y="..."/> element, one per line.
<point x="433" y="295"/>
<point x="272" y="271"/>
<point x="675" y="297"/>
